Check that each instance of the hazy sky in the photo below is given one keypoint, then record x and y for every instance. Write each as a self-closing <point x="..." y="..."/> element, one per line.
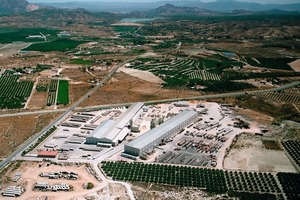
<point x="257" y="1"/>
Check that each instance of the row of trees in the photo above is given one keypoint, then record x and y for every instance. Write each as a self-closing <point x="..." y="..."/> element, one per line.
<point x="13" y="92"/>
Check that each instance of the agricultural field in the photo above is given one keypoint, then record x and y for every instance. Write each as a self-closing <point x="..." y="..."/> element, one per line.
<point x="13" y="92"/>
<point x="211" y="179"/>
<point x="186" y="74"/>
<point x="291" y="185"/>
<point x="126" y="29"/>
<point x="79" y="61"/>
<point x="270" y="63"/>
<point x="292" y="147"/>
<point x="237" y="183"/>
<point x="51" y="99"/>
<point x="63" y="92"/>
<point x="214" y="73"/>
<point x="8" y="35"/>
<point x="252" y="182"/>
<point x="56" y="45"/>
<point x="291" y="95"/>
<point x="285" y="97"/>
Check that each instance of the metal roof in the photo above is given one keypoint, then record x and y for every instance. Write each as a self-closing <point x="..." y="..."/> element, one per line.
<point x="157" y="132"/>
<point x="101" y="129"/>
<point x="111" y="129"/>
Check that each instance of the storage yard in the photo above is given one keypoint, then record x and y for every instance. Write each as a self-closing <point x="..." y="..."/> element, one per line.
<point x="41" y="179"/>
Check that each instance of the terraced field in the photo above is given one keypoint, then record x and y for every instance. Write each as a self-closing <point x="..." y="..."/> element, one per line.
<point x="291" y="95"/>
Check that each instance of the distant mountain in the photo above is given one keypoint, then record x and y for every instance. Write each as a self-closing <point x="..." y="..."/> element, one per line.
<point x="219" y="5"/>
<point x="13" y="6"/>
<point x="171" y="10"/>
<point x="60" y="15"/>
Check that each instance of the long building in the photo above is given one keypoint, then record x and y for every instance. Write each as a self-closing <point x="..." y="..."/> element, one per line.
<point x="148" y="141"/>
<point x="114" y="131"/>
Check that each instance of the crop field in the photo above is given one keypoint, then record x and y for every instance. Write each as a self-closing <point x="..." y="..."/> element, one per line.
<point x="79" y="61"/>
<point x="285" y="97"/>
<point x="56" y="45"/>
<point x="292" y="147"/>
<point x="272" y="63"/>
<point x="51" y="99"/>
<point x="214" y="73"/>
<point x="130" y="29"/>
<point x="290" y="183"/>
<point x="13" y="92"/>
<point x="235" y="75"/>
<point x="211" y="179"/>
<point x="63" y="92"/>
<point x="8" y="35"/>
<point x="205" y="75"/>
<point x="254" y="184"/>
<point x="184" y="74"/>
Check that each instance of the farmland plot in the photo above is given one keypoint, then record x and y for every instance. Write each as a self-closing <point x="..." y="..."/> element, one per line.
<point x="285" y="97"/>
<point x="214" y="74"/>
<point x="251" y="184"/>
<point x="205" y="75"/>
<point x="51" y="100"/>
<point x="13" y="92"/>
<point x="63" y="92"/>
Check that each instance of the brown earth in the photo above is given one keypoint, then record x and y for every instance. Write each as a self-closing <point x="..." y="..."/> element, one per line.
<point x="15" y="130"/>
<point x="78" y="90"/>
<point x="125" y="88"/>
<point x="38" y="100"/>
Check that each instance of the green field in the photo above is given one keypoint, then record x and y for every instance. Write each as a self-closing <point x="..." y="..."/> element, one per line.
<point x="63" y="92"/>
<point x="79" y="61"/>
<point x="8" y="35"/>
<point x="56" y="45"/>
<point x="130" y="29"/>
<point x="272" y="63"/>
<point x="13" y="93"/>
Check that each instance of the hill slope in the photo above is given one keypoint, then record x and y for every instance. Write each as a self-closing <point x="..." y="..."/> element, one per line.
<point x="13" y="6"/>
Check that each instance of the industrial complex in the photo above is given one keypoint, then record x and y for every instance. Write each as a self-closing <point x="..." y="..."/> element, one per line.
<point x="148" y="141"/>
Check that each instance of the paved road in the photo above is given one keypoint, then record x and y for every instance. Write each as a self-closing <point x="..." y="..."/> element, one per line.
<point x="213" y="96"/>
<point x="58" y="120"/>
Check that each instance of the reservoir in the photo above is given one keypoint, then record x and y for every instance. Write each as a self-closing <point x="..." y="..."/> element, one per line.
<point x="228" y="53"/>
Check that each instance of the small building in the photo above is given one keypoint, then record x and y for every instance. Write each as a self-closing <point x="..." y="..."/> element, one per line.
<point x="47" y="154"/>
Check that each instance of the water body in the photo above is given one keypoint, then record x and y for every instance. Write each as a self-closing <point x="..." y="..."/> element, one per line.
<point x="228" y="53"/>
<point x="133" y="20"/>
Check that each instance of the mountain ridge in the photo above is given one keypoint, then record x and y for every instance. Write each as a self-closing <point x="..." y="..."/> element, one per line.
<point x="220" y="6"/>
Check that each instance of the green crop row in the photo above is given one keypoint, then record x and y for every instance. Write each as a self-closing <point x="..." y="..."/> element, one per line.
<point x="13" y="92"/>
<point x="63" y="92"/>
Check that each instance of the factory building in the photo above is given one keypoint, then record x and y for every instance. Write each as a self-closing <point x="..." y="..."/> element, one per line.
<point x="148" y="141"/>
<point x="114" y="131"/>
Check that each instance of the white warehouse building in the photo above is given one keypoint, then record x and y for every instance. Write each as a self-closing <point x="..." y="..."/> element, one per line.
<point x="148" y="141"/>
<point x="114" y="131"/>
